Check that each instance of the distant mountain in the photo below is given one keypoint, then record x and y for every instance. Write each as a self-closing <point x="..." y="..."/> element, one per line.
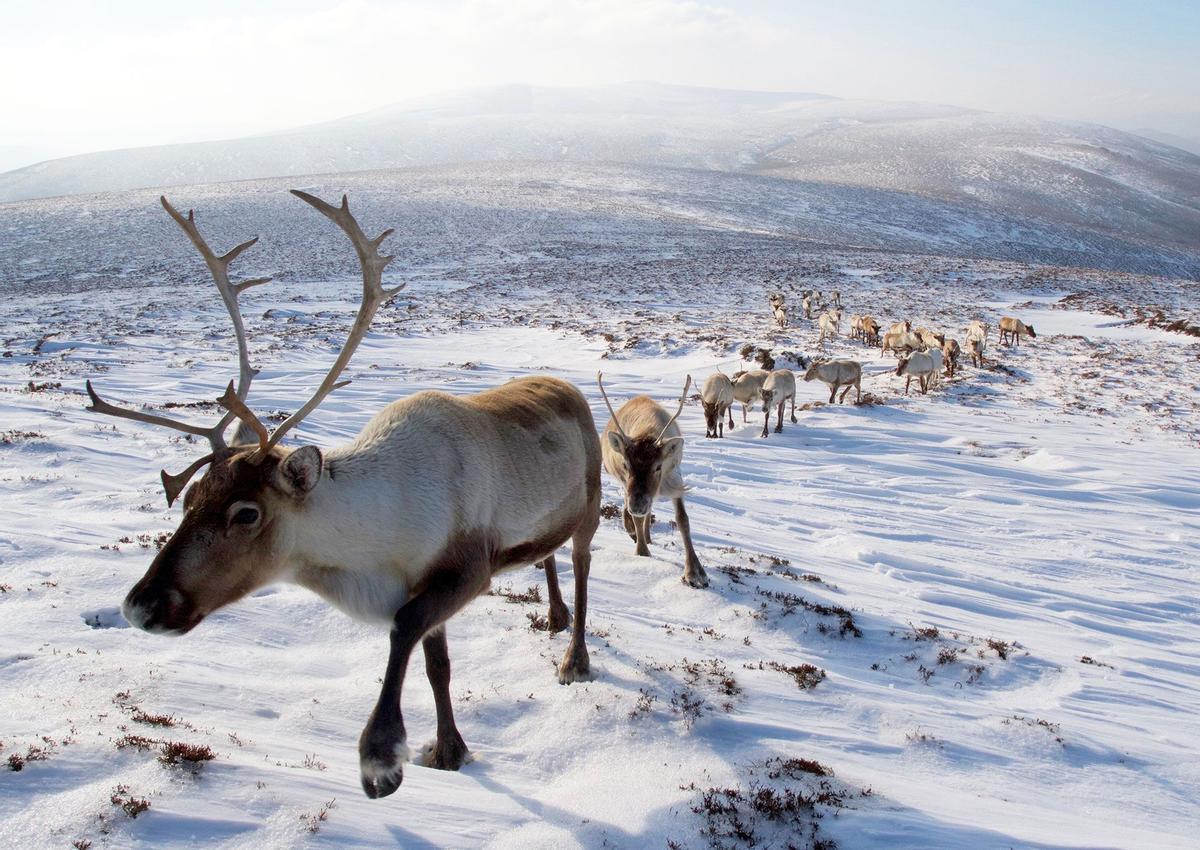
<point x="1087" y="183"/>
<point x="1191" y="144"/>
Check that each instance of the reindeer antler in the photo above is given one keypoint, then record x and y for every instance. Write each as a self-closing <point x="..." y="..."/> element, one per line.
<point x="234" y="400"/>
<point x="218" y="266"/>
<point x="615" y="420"/>
<point x="682" y="398"/>
<point x="374" y="296"/>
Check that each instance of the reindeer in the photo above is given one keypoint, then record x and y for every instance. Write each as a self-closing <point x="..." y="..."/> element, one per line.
<point x="746" y="388"/>
<point x="1012" y="329"/>
<point x="717" y="400"/>
<point x="830" y="323"/>
<point x="870" y="330"/>
<point x="779" y="386"/>
<point x="404" y="525"/>
<point x="642" y="448"/>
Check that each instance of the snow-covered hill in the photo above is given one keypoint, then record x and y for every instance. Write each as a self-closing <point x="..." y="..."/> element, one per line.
<point x="515" y="211"/>
<point x="998" y="581"/>
<point x="918" y="162"/>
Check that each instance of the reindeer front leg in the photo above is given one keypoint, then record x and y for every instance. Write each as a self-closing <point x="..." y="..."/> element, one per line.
<point x="693" y="570"/>
<point x="642" y="525"/>
<point x="383" y="745"/>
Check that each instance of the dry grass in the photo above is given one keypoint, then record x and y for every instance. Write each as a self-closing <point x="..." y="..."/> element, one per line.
<point x="126" y="802"/>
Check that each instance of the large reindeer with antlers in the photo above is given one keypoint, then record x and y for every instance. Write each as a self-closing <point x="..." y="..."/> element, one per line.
<point x="643" y="448"/>
<point x="404" y="525"/>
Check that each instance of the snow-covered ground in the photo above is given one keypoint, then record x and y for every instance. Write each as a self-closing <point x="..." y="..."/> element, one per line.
<point x="999" y="580"/>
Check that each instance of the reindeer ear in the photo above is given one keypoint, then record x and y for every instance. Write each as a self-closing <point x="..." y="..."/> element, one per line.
<point x="615" y="441"/>
<point x="672" y="448"/>
<point x="301" y="470"/>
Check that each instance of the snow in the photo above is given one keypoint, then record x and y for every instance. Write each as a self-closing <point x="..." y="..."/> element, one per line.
<point x="1046" y="504"/>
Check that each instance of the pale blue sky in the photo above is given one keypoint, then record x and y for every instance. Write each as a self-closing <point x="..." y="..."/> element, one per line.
<point x="81" y="76"/>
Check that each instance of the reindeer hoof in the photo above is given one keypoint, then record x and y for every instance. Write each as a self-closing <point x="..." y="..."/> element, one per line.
<point x="695" y="577"/>
<point x="446" y="754"/>
<point x="381" y="771"/>
<point x="559" y="619"/>
<point x="575" y="667"/>
<point x="643" y="551"/>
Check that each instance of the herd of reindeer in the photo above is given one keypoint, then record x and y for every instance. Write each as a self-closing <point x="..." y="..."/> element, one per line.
<point x="922" y="354"/>
<point x="409" y="521"/>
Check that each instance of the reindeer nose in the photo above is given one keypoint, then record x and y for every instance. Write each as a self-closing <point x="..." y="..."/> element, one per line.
<point x="639" y="507"/>
<point x="152" y="609"/>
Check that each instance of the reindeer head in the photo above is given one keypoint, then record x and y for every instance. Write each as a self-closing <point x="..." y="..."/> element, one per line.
<point x="235" y="536"/>
<point x="812" y="372"/>
<point x="240" y="518"/>
<point x="712" y="415"/>
<point x="647" y="456"/>
<point x="902" y="363"/>
<point x="1031" y="333"/>
<point x="648" y="461"/>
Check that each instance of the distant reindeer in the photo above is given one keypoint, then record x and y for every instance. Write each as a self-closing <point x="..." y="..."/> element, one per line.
<point x="404" y="525"/>
<point x="778" y="309"/>
<point x="778" y="388"/>
<point x="747" y="387"/>
<point x="925" y="366"/>
<point x="835" y="374"/>
<point x="869" y="330"/>
<point x="1011" y="331"/>
<point x="830" y="323"/>
<point x="642" y="449"/>
<point x="950" y="352"/>
<point x="717" y="399"/>
<point x="975" y="347"/>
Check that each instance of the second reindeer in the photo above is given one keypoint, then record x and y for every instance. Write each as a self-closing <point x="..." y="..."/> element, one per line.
<point x="642" y="448"/>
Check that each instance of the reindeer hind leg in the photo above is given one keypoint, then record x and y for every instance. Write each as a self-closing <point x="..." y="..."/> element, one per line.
<point x="448" y="751"/>
<point x="693" y="570"/>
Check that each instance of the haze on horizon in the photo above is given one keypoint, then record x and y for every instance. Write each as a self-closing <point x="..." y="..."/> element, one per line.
<point x="102" y="75"/>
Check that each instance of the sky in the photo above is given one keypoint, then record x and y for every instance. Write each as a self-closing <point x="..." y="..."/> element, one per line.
<point x="87" y="75"/>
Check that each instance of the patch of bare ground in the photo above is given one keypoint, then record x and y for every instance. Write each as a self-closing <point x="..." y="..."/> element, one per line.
<point x="778" y="805"/>
<point x="952" y="654"/>
<point x="786" y="604"/>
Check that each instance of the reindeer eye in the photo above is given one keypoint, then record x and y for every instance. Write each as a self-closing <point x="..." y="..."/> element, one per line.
<point x="243" y="514"/>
